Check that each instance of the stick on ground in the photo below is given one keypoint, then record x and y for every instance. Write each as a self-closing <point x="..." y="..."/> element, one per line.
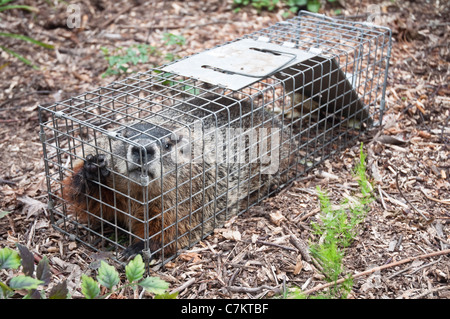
<point x="370" y="271"/>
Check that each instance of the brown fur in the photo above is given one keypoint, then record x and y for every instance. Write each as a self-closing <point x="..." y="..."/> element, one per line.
<point x="187" y="214"/>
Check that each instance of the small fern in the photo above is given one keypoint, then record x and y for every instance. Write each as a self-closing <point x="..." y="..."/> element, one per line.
<point x="337" y="229"/>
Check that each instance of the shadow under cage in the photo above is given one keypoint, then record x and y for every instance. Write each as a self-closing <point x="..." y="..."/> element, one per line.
<point x="155" y="162"/>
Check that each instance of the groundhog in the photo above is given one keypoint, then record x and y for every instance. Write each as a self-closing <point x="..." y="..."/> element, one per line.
<point x="174" y="176"/>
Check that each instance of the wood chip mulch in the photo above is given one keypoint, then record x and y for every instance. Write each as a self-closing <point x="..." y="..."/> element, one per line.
<point x="402" y="248"/>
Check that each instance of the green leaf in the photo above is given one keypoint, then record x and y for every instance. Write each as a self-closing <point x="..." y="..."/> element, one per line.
<point x="27" y="260"/>
<point x="28" y="8"/>
<point x="154" y="285"/>
<point x="28" y="39"/>
<point x="3" y="2"/>
<point x="313" y="6"/>
<point x="59" y="291"/>
<point x="173" y="39"/>
<point x="89" y="287"/>
<point x="135" y="269"/>
<point x="24" y="282"/>
<point x="9" y="259"/>
<point x="3" y="213"/>
<point x="107" y="275"/>
<point x="167" y="296"/>
<point x="20" y="57"/>
<point x="5" y="291"/>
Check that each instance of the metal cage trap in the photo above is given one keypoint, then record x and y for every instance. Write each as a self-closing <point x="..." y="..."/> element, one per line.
<point x="156" y="161"/>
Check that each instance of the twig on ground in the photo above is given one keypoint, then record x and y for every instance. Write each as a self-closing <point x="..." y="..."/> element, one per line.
<point x="403" y="195"/>
<point x="4" y="181"/>
<point x="183" y="286"/>
<point x="430" y="292"/>
<point x="255" y="289"/>
<point x="370" y="271"/>
<point x="301" y="246"/>
<point x="381" y="197"/>
<point x="116" y="16"/>
<point x="415" y="270"/>
<point x="270" y="244"/>
<point x="313" y="212"/>
<point x="442" y="201"/>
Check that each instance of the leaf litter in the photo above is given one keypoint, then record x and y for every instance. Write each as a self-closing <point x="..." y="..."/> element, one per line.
<point x="253" y="256"/>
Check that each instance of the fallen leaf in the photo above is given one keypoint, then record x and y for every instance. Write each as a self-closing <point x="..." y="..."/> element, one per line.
<point x="276" y="218"/>
<point x="3" y="213"/>
<point x="299" y="266"/>
<point x="424" y="134"/>
<point x="232" y="235"/>
<point x="194" y="257"/>
<point x="32" y="207"/>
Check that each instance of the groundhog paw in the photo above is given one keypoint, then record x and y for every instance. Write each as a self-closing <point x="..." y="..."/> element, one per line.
<point x="138" y="247"/>
<point x="95" y="164"/>
<point x="133" y="250"/>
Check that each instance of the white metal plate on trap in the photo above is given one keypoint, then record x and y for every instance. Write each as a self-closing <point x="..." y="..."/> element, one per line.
<point x="243" y="65"/>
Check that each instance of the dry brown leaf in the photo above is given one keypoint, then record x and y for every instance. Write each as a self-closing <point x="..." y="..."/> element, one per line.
<point x="298" y="267"/>
<point x="276" y="218"/>
<point x="232" y="235"/>
<point x="37" y="187"/>
<point x="32" y="207"/>
<point x="424" y="134"/>
<point x="194" y="257"/>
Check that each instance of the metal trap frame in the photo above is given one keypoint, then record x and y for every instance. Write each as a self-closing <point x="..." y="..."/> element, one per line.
<point x="155" y="162"/>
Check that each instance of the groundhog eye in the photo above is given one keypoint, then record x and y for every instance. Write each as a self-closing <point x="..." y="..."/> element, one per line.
<point x="167" y="146"/>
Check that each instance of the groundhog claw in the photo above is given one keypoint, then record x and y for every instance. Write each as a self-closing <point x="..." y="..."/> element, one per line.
<point x="138" y="248"/>
<point x="132" y="250"/>
<point x="93" y="163"/>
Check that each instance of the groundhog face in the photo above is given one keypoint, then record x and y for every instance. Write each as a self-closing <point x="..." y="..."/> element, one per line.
<point x="151" y="150"/>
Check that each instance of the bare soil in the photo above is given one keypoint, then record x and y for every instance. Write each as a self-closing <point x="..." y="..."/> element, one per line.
<point x="406" y="232"/>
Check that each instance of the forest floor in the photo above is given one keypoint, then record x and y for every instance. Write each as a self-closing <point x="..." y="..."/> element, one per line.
<point x="406" y="229"/>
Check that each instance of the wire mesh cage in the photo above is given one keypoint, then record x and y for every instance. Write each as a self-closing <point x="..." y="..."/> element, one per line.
<point x="153" y="163"/>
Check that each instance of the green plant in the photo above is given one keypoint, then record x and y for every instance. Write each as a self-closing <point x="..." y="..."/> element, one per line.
<point x="257" y="4"/>
<point x="242" y="2"/>
<point x="265" y="4"/>
<point x="173" y="39"/>
<point x="120" y="60"/>
<point x="108" y="277"/>
<point x="337" y="229"/>
<point x="5" y="6"/>
<point x="32" y="279"/>
<point x="292" y="5"/>
<point x="360" y="174"/>
<point x="295" y="5"/>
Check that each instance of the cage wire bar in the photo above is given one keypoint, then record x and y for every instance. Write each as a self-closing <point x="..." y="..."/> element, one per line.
<point x="156" y="161"/>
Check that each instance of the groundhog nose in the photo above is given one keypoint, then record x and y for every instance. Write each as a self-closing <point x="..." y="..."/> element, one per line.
<point x="139" y="153"/>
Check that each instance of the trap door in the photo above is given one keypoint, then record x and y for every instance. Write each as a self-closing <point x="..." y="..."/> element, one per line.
<point x="239" y="64"/>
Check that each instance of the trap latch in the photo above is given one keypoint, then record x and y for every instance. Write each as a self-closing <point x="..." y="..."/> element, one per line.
<point x="238" y="64"/>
